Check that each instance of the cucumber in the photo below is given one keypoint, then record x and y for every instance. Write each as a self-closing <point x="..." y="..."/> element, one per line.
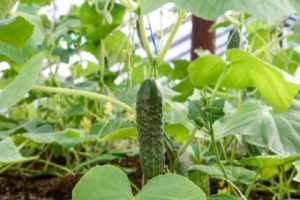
<point x="149" y="113"/>
<point x="234" y="39"/>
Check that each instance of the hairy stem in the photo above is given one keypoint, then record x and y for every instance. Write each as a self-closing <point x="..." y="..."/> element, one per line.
<point x="87" y="94"/>
<point x="143" y="38"/>
<point x="170" y="39"/>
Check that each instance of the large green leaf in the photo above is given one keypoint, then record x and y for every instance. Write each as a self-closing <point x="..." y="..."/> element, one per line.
<point x="15" y="55"/>
<point x="110" y="183"/>
<point x="5" y="6"/>
<point x="94" y="25"/>
<point x="116" y="47"/>
<point x="266" y="128"/>
<point x="103" y="183"/>
<point x="268" y="161"/>
<point x="246" y="70"/>
<point x="235" y="174"/>
<point x="11" y="53"/>
<point x="9" y="153"/>
<point x="22" y="83"/>
<point x="268" y="165"/>
<point x="16" y="31"/>
<point x="170" y="186"/>
<point x="268" y="10"/>
<point x="67" y="138"/>
<point x="262" y="126"/>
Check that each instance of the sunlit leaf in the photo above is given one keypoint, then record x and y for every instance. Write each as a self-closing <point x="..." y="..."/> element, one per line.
<point x="10" y="31"/>
<point x="22" y="83"/>
<point x="245" y="70"/>
<point x="268" y="10"/>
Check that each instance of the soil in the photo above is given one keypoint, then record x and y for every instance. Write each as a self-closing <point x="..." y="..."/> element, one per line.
<point x="60" y="188"/>
<point x="54" y="188"/>
<point x="57" y="188"/>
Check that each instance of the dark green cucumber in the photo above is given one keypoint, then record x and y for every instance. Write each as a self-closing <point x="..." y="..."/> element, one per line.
<point x="149" y="114"/>
<point x="234" y="39"/>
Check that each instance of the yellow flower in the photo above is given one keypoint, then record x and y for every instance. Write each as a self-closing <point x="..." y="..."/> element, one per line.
<point x="86" y="124"/>
<point x="108" y="108"/>
<point x="222" y="190"/>
<point x="221" y="183"/>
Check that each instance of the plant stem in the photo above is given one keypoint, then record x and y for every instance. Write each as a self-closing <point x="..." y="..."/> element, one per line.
<point x="217" y="86"/>
<point x="222" y="94"/>
<point x="187" y="142"/>
<point x="101" y="63"/>
<point x="213" y="142"/>
<point x="87" y="94"/>
<point x="258" y="51"/>
<point x="55" y="165"/>
<point x="281" y="184"/>
<point x="143" y="38"/>
<point x="250" y="187"/>
<point x="217" y="154"/>
<point x="170" y="39"/>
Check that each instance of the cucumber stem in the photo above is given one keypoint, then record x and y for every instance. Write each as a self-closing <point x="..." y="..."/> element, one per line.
<point x="91" y="95"/>
<point x="162" y="53"/>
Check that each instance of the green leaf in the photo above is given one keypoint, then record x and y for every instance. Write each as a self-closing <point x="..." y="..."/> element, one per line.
<point x="287" y="60"/>
<point x="170" y="186"/>
<point x="93" y="23"/>
<point x="185" y="89"/>
<point x="67" y="138"/>
<point x="22" y="83"/>
<point x="116" y="47"/>
<point x="223" y="197"/>
<point x="268" y="165"/>
<point x="122" y="133"/>
<point x="296" y="4"/>
<point x="267" y="10"/>
<point x="179" y="70"/>
<point x="109" y="182"/>
<point x="18" y="56"/>
<point x="264" y="127"/>
<point x="268" y="161"/>
<point x="16" y="31"/>
<point x="199" y="113"/>
<point x="244" y="70"/>
<point x="103" y="183"/>
<point x="5" y="7"/>
<point x="235" y="174"/>
<point x="9" y="153"/>
<point x="178" y="132"/>
<point x="38" y="2"/>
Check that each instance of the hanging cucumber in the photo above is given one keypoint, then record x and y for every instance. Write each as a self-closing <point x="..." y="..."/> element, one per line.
<point x="234" y="39"/>
<point x="149" y="113"/>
